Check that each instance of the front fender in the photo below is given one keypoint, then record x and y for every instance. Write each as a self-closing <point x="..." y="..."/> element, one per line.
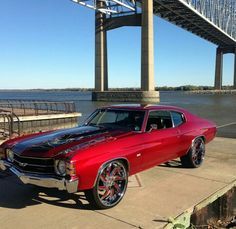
<point x="88" y="170"/>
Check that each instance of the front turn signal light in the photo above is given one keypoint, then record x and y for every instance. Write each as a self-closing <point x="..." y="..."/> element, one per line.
<point x="71" y="169"/>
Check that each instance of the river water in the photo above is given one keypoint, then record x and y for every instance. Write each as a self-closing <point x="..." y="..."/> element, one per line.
<point x="218" y="108"/>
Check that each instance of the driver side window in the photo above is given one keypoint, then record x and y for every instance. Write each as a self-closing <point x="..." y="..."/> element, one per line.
<point x="159" y="120"/>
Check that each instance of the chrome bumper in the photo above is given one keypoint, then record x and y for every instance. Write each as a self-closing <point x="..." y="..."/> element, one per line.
<point x="71" y="186"/>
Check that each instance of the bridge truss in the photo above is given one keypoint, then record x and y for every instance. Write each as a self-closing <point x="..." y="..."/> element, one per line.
<point x="213" y="20"/>
<point x="221" y="12"/>
<point x="112" y="8"/>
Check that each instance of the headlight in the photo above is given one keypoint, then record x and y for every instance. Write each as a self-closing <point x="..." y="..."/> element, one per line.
<point x="10" y="155"/>
<point x="60" y="167"/>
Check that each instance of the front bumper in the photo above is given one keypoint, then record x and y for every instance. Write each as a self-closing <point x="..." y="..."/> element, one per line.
<point x="71" y="186"/>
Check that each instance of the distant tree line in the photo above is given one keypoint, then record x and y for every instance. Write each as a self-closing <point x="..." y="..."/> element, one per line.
<point x="191" y="88"/>
<point x="185" y="88"/>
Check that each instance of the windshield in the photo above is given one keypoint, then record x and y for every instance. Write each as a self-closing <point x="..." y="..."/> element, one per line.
<point x="117" y="118"/>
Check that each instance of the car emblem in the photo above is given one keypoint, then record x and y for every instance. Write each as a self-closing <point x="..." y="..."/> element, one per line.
<point x="23" y="164"/>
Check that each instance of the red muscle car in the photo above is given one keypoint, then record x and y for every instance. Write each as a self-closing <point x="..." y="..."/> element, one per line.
<point x="114" y="143"/>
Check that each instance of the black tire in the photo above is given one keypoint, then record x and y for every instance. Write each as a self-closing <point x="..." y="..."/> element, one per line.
<point x="195" y="156"/>
<point x="110" y="187"/>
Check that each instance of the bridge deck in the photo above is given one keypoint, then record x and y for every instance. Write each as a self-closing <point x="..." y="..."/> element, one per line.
<point x="179" y="12"/>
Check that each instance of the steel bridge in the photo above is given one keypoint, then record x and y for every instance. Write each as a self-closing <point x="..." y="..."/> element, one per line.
<point x="213" y="20"/>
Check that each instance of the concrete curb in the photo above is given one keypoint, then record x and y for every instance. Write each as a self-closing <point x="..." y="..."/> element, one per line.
<point x="183" y="220"/>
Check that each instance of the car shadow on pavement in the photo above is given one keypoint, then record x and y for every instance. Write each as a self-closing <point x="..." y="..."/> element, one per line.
<point x="172" y="164"/>
<point x="13" y="194"/>
<point x="16" y="195"/>
<point x="63" y="199"/>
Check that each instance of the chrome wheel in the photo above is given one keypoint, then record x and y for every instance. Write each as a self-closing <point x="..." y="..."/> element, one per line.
<point x="111" y="183"/>
<point x="198" y="152"/>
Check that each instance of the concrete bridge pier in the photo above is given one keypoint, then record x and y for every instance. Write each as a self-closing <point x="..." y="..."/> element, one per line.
<point x="147" y="94"/>
<point x="147" y="55"/>
<point x="219" y="68"/>
<point x="101" y="80"/>
<point x="219" y="65"/>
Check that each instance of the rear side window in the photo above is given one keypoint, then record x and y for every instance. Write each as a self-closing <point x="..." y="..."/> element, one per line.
<point x="178" y="118"/>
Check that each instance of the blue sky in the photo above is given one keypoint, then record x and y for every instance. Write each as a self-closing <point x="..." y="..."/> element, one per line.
<point x="50" y="44"/>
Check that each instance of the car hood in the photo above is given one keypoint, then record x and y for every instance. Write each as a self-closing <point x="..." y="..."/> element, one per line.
<point x="52" y="143"/>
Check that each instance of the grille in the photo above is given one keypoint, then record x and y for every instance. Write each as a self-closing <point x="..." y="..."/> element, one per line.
<point x="34" y="165"/>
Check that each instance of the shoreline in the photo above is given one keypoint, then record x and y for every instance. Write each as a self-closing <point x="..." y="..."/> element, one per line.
<point x="213" y="92"/>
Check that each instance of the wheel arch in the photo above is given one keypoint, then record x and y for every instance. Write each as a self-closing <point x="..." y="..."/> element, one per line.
<point x="187" y="160"/>
<point x="200" y="136"/>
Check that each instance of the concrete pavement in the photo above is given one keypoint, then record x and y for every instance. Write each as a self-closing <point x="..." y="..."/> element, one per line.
<point x="152" y="197"/>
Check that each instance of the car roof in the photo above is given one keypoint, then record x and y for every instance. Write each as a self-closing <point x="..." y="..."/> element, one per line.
<point x="145" y="107"/>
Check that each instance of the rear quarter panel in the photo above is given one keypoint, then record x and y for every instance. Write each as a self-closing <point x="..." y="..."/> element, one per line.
<point x="196" y="127"/>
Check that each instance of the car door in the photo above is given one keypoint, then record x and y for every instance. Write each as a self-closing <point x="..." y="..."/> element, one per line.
<point x="160" y="140"/>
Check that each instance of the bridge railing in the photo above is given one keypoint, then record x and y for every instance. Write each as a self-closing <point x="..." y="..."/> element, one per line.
<point x="9" y="124"/>
<point x="33" y="107"/>
<point x="221" y="12"/>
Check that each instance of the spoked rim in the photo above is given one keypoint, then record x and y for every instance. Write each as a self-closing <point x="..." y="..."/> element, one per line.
<point x="112" y="183"/>
<point x="198" y="152"/>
